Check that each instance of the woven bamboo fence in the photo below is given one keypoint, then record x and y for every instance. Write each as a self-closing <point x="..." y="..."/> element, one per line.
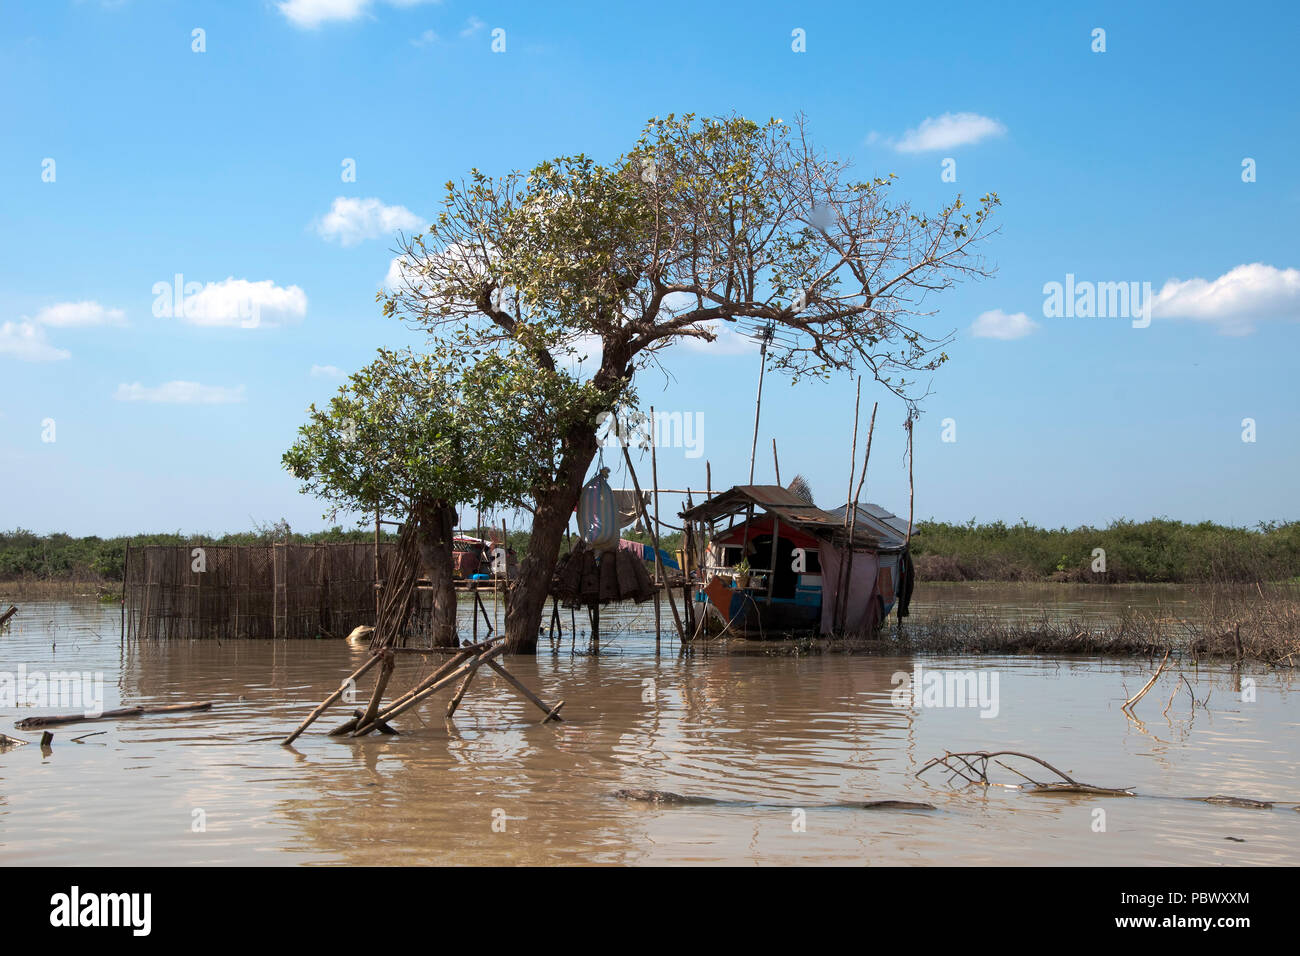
<point x="252" y="591"/>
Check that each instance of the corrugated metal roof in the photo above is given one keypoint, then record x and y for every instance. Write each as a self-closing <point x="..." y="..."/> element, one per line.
<point x="787" y="506"/>
<point x="891" y="529"/>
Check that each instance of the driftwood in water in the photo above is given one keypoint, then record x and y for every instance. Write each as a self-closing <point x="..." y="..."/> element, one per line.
<point x="31" y="723"/>
<point x="1077" y="788"/>
<point x="973" y="767"/>
<point x="641" y="795"/>
<point x="668" y="798"/>
<point x="1128" y="704"/>
<point x="13" y="609"/>
<point x="1247" y="802"/>
<point x="7" y="743"/>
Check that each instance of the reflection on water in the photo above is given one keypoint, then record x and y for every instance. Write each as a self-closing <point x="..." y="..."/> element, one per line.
<point x="788" y="732"/>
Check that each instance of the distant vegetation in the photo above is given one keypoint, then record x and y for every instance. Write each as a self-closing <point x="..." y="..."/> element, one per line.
<point x="1151" y="551"/>
<point x="53" y="557"/>
<point x="1158" y="550"/>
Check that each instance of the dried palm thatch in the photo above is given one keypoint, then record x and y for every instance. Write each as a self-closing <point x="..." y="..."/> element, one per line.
<point x="800" y="488"/>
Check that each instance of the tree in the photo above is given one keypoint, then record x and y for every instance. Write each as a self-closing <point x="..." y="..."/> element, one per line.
<point x="414" y="436"/>
<point x="703" y="221"/>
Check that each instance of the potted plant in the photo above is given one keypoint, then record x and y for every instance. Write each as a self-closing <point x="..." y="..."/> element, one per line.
<point x="742" y="573"/>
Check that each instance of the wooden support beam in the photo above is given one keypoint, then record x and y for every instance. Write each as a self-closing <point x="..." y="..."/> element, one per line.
<point x="349" y="681"/>
<point x="429" y="687"/>
<point x="381" y="685"/>
<point x="552" y="713"/>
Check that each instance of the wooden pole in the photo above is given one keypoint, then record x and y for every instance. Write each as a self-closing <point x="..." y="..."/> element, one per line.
<point x="654" y="484"/>
<point x="771" y="574"/>
<point x="464" y="686"/>
<point x="776" y="462"/>
<point x="837" y="617"/>
<point x="505" y="570"/>
<point x="853" y="522"/>
<point x="552" y="713"/>
<point x="911" y="488"/>
<point x="654" y="535"/>
<point x="126" y="565"/>
<point x="447" y="667"/>
<point x="328" y="701"/>
<point x="381" y="685"/>
<point x="758" y="405"/>
<point x="453" y="670"/>
<point x="376" y="588"/>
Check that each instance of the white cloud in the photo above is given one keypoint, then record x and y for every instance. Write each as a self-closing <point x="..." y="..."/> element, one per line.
<point x="180" y="393"/>
<point x="947" y="131"/>
<point x="351" y="221"/>
<point x="327" y="371"/>
<point x="68" y="314"/>
<point x="996" y="324"/>
<point x="26" y="342"/>
<point x="1235" y="301"/>
<point x="472" y="26"/>
<point x="310" y="14"/>
<point x="427" y="38"/>
<point x="240" y="303"/>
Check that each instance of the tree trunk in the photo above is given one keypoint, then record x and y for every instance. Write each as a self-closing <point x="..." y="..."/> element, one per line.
<point x="528" y="592"/>
<point x="436" y="530"/>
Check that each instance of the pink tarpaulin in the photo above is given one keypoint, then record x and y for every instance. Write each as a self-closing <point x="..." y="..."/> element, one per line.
<point x="861" y="608"/>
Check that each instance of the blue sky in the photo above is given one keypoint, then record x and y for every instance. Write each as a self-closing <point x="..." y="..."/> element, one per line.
<point x="224" y="166"/>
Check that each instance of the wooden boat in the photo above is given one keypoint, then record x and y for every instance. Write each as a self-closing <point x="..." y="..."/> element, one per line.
<point x="771" y="564"/>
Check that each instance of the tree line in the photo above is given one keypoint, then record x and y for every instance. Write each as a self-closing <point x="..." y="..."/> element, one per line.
<point x="1154" y="551"/>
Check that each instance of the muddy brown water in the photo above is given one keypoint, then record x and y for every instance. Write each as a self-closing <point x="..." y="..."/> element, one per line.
<point x="786" y="744"/>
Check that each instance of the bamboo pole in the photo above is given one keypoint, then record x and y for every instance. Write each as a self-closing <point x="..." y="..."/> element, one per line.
<point x="329" y="701"/>
<point x="464" y="686"/>
<point x="758" y="405"/>
<point x="911" y="488"/>
<point x="654" y="484"/>
<point x="552" y="713"/>
<point x="654" y="535"/>
<point x="412" y="700"/>
<point x="126" y="564"/>
<point x="853" y="523"/>
<point x="838" y="615"/>
<point x="776" y="462"/>
<point x="447" y="667"/>
<point x="381" y="685"/>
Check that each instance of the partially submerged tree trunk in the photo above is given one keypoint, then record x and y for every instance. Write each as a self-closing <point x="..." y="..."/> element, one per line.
<point x="436" y="530"/>
<point x="554" y="507"/>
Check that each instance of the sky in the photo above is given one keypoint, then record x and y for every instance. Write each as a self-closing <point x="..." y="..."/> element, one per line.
<point x="272" y="156"/>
